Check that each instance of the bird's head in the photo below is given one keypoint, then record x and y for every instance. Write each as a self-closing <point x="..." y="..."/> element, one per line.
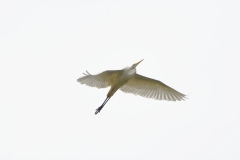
<point x="135" y="64"/>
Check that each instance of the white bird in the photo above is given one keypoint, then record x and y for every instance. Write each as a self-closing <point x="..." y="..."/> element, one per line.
<point x="127" y="80"/>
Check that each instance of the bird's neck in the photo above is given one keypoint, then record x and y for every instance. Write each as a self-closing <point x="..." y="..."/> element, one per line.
<point x="131" y="71"/>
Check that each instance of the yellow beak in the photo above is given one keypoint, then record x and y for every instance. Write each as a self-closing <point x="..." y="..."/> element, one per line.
<point x="138" y="62"/>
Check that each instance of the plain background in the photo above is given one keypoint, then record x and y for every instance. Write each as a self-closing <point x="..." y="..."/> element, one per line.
<point x="192" y="46"/>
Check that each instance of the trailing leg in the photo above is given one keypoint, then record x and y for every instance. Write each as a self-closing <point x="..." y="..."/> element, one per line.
<point x="100" y="108"/>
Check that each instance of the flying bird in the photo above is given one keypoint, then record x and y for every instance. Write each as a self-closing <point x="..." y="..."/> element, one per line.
<point x="128" y="81"/>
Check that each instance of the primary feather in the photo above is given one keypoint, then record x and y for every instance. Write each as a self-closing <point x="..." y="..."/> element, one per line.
<point x="151" y="88"/>
<point x="102" y="80"/>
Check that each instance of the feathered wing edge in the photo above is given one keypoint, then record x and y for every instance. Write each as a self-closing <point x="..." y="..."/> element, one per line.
<point x="150" y="88"/>
<point x="102" y="80"/>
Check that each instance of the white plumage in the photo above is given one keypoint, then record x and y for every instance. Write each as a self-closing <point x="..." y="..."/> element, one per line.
<point x="129" y="82"/>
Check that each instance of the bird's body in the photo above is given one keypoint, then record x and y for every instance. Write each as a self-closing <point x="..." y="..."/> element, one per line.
<point x="120" y="78"/>
<point x="129" y="81"/>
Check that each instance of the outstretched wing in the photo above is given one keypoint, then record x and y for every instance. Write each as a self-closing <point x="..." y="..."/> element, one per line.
<point x="151" y="88"/>
<point x="101" y="80"/>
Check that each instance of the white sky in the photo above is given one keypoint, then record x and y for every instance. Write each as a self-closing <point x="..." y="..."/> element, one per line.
<point x="192" y="46"/>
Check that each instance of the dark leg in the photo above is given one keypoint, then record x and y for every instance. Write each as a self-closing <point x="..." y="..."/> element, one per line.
<point x="99" y="108"/>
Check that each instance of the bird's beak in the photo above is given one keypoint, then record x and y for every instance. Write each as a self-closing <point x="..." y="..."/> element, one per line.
<point x="138" y="62"/>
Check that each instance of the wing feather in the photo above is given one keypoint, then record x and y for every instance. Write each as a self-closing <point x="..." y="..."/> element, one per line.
<point x="102" y="80"/>
<point x="150" y="88"/>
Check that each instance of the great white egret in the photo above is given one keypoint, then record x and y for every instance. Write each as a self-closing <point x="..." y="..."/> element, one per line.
<point x="127" y="80"/>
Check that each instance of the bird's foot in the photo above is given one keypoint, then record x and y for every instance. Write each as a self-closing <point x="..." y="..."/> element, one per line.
<point x="98" y="110"/>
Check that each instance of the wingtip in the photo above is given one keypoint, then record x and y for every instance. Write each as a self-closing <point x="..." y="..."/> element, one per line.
<point x="88" y="72"/>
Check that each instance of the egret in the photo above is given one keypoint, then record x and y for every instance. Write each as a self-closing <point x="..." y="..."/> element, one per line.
<point x="128" y="81"/>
